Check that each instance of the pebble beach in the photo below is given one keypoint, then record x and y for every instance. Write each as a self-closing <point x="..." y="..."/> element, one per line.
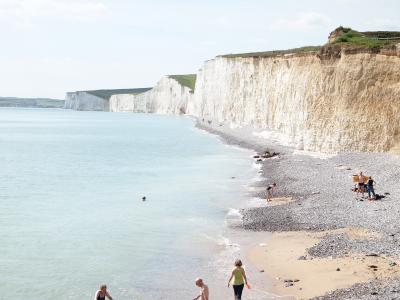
<point x="353" y="242"/>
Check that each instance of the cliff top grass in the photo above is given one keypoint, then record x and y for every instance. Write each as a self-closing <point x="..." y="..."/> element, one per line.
<point x="274" y="52"/>
<point x="31" y="102"/>
<point x="188" y="80"/>
<point x="106" y="94"/>
<point x="342" y="36"/>
<point x="369" y="39"/>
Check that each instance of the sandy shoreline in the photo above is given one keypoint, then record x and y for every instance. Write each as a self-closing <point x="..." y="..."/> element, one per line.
<point x="317" y="221"/>
<point x="297" y="273"/>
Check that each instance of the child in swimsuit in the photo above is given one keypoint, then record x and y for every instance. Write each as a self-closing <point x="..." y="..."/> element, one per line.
<point x="102" y="293"/>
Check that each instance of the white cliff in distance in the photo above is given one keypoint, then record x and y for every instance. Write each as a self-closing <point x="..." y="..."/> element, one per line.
<point x="168" y="96"/>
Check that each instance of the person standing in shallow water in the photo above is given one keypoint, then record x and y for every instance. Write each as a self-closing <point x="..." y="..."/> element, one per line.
<point x="238" y="279"/>
<point x="204" y="295"/>
<point x="102" y="293"/>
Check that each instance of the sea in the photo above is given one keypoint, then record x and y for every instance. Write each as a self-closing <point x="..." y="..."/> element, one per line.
<point x="73" y="216"/>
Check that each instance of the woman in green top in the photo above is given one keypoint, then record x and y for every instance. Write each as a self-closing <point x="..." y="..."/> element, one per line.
<point x="239" y="279"/>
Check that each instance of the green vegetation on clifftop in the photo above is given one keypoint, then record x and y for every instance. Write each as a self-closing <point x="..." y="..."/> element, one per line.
<point x="344" y="37"/>
<point x="274" y="52"/>
<point x="106" y="94"/>
<point x="188" y="80"/>
<point x="367" y="39"/>
<point x="31" y="102"/>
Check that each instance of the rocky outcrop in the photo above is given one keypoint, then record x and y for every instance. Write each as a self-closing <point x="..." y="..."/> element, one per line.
<point x="167" y="97"/>
<point x="85" y="101"/>
<point x="349" y="102"/>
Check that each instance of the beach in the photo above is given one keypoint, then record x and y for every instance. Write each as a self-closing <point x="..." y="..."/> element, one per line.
<point x="336" y="245"/>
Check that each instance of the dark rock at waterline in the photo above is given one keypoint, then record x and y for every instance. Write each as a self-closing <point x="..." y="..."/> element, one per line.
<point x="288" y="284"/>
<point x="268" y="154"/>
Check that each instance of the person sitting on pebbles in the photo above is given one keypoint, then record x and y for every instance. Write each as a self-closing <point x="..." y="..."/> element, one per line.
<point x="270" y="190"/>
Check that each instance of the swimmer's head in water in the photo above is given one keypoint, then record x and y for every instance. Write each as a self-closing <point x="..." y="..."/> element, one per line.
<point x="199" y="282"/>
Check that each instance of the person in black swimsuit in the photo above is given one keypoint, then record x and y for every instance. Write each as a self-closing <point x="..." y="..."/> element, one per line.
<point x="102" y="293"/>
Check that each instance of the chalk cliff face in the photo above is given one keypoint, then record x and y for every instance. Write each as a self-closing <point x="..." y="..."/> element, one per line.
<point x="331" y="100"/>
<point x="85" y="101"/>
<point x="167" y="97"/>
<point x="328" y="104"/>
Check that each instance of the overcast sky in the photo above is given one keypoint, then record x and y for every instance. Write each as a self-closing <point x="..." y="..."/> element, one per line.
<point x="49" y="47"/>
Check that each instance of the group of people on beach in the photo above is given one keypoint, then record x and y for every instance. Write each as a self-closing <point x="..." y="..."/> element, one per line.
<point x="237" y="279"/>
<point x="366" y="184"/>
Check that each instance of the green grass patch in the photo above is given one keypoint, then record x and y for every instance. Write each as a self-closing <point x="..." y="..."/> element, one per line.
<point x="369" y="40"/>
<point x="31" y="102"/>
<point x="274" y="52"/>
<point x="106" y="94"/>
<point x="188" y="80"/>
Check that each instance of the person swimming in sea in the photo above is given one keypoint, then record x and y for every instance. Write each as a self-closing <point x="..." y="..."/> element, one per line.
<point x="102" y="293"/>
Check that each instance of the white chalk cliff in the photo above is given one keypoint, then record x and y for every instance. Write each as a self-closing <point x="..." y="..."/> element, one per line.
<point x="167" y="97"/>
<point x="348" y="100"/>
<point x="350" y="103"/>
<point x="85" y="101"/>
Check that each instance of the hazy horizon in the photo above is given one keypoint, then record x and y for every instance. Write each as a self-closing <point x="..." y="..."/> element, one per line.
<point x="55" y="46"/>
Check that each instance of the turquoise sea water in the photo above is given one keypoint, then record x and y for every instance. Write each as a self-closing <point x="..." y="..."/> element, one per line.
<point x="71" y="214"/>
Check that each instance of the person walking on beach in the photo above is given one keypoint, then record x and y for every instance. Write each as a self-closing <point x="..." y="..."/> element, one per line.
<point x="238" y="279"/>
<point x="270" y="190"/>
<point x="361" y="184"/>
<point x="370" y="188"/>
<point x="102" y="293"/>
<point x="204" y="294"/>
